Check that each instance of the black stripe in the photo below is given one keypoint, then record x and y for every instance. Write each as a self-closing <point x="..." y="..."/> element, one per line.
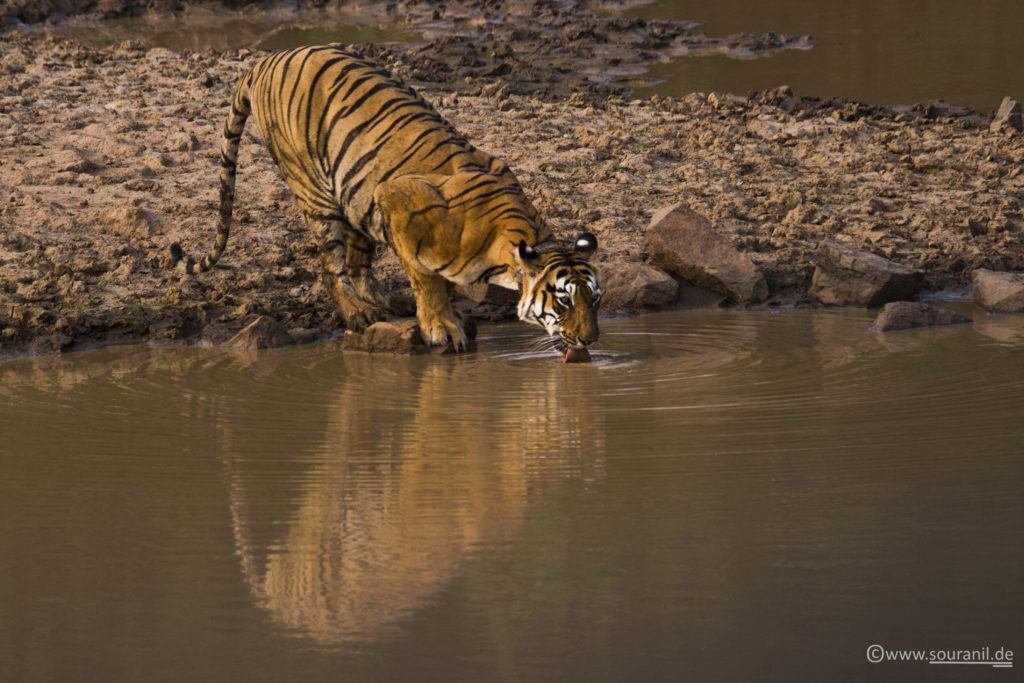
<point x="491" y="272"/>
<point x="362" y="161"/>
<point x="447" y="159"/>
<point x="314" y="156"/>
<point x="484" y="245"/>
<point x="346" y="196"/>
<point x="476" y="201"/>
<point x="438" y="270"/>
<point x="400" y="122"/>
<point x="424" y="210"/>
<point x="420" y="140"/>
<point x="296" y="78"/>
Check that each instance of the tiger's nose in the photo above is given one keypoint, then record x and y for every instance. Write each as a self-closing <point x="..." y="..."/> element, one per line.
<point x="588" y="337"/>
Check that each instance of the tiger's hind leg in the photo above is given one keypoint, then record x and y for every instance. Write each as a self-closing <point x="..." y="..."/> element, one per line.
<point x="339" y="249"/>
<point x="359" y="251"/>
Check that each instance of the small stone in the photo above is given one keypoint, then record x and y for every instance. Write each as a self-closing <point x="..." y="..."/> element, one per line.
<point x="998" y="291"/>
<point x="263" y="333"/>
<point x="776" y="95"/>
<point x="875" y="206"/>
<point x="845" y="276"/>
<point x="74" y="160"/>
<point x="182" y="142"/>
<point x="636" y="285"/>
<point x="1008" y="116"/>
<point x="685" y="243"/>
<point x="303" y="335"/>
<point x="904" y="315"/>
<point x="940" y="109"/>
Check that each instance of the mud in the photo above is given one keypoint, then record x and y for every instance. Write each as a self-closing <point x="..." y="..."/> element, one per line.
<point x="110" y="154"/>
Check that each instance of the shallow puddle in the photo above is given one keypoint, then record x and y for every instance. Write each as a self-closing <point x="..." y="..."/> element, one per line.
<point x="718" y="496"/>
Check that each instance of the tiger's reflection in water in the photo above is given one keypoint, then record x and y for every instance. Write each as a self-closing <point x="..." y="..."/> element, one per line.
<point x="409" y="485"/>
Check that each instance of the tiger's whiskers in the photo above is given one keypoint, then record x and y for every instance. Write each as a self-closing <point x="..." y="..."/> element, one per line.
<point x="548" y="343"/>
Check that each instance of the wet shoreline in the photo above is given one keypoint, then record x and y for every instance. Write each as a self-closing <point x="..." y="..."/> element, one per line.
<point x="111" y="156"/>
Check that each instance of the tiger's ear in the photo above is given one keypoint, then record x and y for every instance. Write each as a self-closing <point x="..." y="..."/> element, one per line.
<point x="527" y="257"/>
<point x="585" y="245"/>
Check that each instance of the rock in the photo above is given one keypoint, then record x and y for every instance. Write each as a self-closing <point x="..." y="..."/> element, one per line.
<point x="399" y="336"/>
<point x="847" y="277"/>
<point x="684" y="242"/>
<point x="636" y="285"/>
<point x="1008" y="116"/>
<point x="131" y="221"/>
<point x="765" y="127"/>
<point x="904" y="315"/>
<point x="998" y="292"/>
<point x="937" y="109"/>
<point x="303" y="335"/>
<point x="263" y="333"/>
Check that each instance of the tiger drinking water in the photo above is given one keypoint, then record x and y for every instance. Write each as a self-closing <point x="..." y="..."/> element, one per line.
<point x="370" y="161"/>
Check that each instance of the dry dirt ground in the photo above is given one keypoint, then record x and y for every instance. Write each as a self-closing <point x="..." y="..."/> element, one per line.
<point x="109" y="155"/>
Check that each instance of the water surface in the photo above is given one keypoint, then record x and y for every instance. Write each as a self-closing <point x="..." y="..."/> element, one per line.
<point x="719" y="496"/>
<point x="890" y="52"/>
<point x="204" y="28"/>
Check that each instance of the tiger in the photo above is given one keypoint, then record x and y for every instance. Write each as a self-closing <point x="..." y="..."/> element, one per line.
<point x="370" y="161"/>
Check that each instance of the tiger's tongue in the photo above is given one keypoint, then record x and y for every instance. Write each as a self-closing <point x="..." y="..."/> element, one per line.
<point x="576" y="356"/>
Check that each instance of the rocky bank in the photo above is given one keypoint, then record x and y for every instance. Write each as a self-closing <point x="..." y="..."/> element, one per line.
<point x="109" y="155"/>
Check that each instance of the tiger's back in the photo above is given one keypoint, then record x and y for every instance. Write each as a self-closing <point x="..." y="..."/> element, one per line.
<point x="369" y="160"/>
<point x="339" y="125"/>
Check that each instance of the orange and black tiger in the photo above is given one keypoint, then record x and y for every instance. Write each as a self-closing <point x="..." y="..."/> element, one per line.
<point x="369" y="160"/>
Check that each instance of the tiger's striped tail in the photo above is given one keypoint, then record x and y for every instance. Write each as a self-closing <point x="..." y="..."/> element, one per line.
<point x="233" y="127"/>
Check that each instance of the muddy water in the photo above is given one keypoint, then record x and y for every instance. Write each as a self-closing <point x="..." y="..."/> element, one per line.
<point x="205" y="28"/>
<point x="719" y="496"/>
<point x="876" y="51"/>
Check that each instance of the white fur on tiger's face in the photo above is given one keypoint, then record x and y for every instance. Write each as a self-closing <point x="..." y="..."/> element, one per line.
<point x="560" y="291"/>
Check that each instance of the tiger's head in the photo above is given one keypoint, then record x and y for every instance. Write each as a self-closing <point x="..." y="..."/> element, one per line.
<point x="559" y="290"/>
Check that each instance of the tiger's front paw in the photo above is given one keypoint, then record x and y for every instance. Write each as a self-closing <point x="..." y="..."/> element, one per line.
<point x="439" y="331"/>
<point x="364" y="318"/>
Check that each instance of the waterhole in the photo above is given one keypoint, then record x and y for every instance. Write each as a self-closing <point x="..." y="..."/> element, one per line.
<point x="882" y="52"/>
<point x="205" y="28"/>
<point x="720" y="495"/>
<point x="876" y="51"/>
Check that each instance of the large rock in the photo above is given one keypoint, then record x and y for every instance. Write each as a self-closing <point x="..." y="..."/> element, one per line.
<point x="636" y="285"/>
<point x="845" y="276"/>
<point x="684" y="242"/>
<point x="397" y="336"/>
<point x="904" y="315"/>
<point x="262" y="333"/>
<point x="1008" y="116"/>
<point x="998" y="292"/>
